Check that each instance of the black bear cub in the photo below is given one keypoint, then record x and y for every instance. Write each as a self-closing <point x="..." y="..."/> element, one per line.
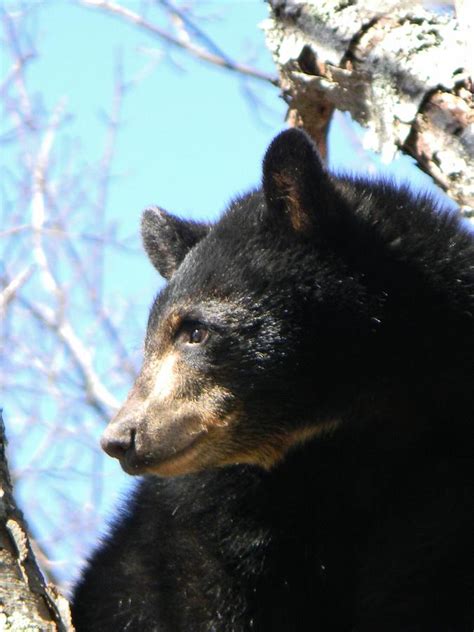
<point x="303" y="418"/>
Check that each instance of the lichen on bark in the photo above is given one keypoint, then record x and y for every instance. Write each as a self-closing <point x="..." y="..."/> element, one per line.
<point x="27" y="603"/>
<point x="398" y="69"/>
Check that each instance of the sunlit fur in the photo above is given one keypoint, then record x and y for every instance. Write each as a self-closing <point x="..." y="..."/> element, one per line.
<point x="315" y="454"/>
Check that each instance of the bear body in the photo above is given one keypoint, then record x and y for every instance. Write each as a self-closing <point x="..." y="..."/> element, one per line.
<point x="303" y="418"/>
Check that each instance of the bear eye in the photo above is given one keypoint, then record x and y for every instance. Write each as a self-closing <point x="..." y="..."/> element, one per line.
<point x="193" y="333"/>
<point x="198" y="335"/>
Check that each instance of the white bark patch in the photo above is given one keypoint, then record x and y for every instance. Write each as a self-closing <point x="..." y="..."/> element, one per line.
<point x="401" y="71"/>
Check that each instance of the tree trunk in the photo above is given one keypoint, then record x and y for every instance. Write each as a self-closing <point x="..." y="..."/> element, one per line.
<point x="399" y="71"/>
<point x="26" y="602"/>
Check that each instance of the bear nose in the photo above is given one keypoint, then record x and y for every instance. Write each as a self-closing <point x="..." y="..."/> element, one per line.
<point x="117" y="441"/>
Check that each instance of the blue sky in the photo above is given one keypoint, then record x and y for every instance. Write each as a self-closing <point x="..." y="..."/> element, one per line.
<point x="192" y="136"/>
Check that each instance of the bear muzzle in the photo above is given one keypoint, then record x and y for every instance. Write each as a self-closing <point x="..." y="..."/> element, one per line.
<point x="145" y="443"/>
<point x="118" y="441"/>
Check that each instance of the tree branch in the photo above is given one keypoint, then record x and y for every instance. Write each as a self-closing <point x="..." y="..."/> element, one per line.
<point x="400" y="72"/>
<point x="12" y="287"/>
<point x="26" y="602"/>
<point x="97" y="394"/>
<point x="196" y="51"/>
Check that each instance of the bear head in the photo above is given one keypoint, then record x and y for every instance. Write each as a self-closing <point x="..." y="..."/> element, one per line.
<point x="277" y="323"/>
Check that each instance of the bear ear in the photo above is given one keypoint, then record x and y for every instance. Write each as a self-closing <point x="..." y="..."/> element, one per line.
<point x="167" y="239"/>
<point x="294" y="179"/>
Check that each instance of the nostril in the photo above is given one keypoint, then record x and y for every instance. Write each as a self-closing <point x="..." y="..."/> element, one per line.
<point x="116" y="442"/>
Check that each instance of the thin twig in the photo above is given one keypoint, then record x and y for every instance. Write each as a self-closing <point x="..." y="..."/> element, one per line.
<point x="14" y="71"/>
<point x="97" y="393"/>
<point x="196" y="30"/>
<point x="11" y="289"/>
<point x="38" y="211"/>
<point x="18" y="76"/>
<point x="105" y="165"/>
<point x="200" y="53"/>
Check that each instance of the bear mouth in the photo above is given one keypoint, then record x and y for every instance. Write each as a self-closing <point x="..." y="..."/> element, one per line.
<point x="175" y="461"/>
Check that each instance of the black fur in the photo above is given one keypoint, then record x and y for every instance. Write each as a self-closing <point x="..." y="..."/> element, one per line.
<point x="170" y="237"/>
<point x="331" y="302"/>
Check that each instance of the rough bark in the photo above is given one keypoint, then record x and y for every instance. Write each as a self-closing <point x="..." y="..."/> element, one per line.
<point x="399" y="71"/>
<point x="27" y="603"/>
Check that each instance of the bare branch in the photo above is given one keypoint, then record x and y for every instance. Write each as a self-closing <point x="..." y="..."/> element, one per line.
<point x="196" y="51"/>
<point x="19" y="64"/>
<point x="97" y="394"/>
<point x="105" y="165"/>
<point x="27" y="603"/>
<point x="10" y="290"/>
<point x="15" y="71"/>
<point x="399" y="71"/>
<point x="38" y="212"/>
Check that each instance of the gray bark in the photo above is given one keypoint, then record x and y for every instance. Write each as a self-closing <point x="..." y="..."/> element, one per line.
<point x="27" y="603"/>
<point x="399" y="71"/>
